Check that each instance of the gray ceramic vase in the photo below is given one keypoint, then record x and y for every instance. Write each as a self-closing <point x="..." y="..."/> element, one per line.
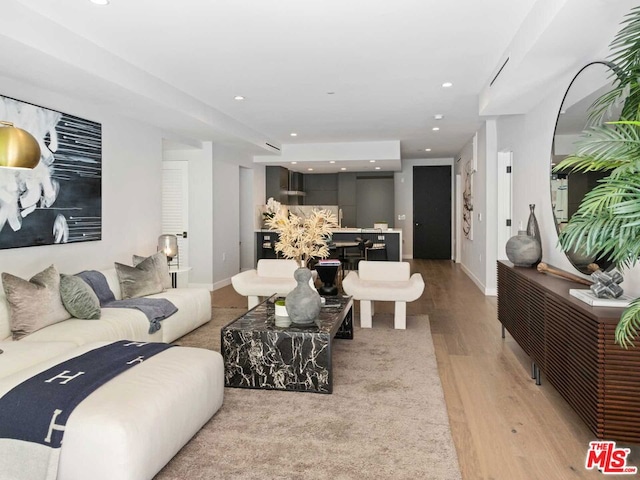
<point x="303" y="302"/>
<point x="533" y="230"/>
<point x="523" y="250"/>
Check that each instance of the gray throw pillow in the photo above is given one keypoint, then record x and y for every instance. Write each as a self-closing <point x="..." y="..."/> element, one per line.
<point x="138" y="281"/>
<point x="79" y="298"/>
<point x="159" y="262"/>
<point x="33" y="304"/>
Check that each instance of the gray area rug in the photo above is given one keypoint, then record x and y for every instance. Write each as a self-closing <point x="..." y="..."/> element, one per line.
<point x="385" y="419"/>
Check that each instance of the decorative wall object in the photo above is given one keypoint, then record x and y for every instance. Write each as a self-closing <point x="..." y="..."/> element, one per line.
<point x="60" y="200"/>
<point x="467" y="201"/>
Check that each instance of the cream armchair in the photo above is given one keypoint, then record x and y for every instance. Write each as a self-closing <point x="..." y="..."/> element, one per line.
<point x="271" y="276"/>
<point x="383" y="281"/>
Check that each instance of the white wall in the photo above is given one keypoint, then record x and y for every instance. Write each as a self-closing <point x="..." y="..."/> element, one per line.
<point x="131" y="186"/>
<point x="403" y="185"/>
<point x="473" y="251"/>
<point x="200" y="211"/>
<point x="214" y="210"/>
<point x="226" y="208"/>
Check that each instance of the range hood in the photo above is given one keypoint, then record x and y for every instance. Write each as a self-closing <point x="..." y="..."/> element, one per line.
<point x="295" y="185"/>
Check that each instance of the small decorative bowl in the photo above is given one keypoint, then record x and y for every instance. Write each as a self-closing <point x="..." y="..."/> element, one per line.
<point x="281" y="309"/>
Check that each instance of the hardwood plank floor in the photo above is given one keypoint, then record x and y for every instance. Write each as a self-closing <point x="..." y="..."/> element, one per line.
<point x="503" y="425"/>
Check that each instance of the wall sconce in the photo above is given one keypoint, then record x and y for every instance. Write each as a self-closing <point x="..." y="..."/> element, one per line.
<point x="169" y="245"/>
<point x="18" y="148"/>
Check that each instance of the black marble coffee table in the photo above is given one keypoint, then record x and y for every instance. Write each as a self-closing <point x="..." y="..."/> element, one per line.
<point x="261" y="350"/>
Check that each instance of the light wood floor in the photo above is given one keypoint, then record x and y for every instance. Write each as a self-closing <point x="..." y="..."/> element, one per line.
<point x="503" y="425"/>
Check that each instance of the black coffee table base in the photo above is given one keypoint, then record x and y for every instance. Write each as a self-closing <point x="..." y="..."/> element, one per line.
<point x="257" y="354"/>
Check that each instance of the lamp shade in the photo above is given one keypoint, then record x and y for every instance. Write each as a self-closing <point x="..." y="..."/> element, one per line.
<point x="169" y="245"/>
<point x="18" y="148"/>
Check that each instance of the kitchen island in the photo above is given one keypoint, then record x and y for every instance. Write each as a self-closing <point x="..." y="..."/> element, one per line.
<point x="392" y="238"/>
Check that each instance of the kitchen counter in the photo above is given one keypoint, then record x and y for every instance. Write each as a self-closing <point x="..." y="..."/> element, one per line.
<point x="351" y="230"/>
<point x="392" y="238"/>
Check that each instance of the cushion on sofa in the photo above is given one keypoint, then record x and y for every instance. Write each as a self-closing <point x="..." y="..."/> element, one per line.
<point x="159" y="264"/>
<point x="138" y="281"/>
<point x="79" y="298"/>
<point x="34" y="304"/>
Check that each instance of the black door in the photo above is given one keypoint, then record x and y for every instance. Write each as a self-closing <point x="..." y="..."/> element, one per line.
<point x="432" y="212"/>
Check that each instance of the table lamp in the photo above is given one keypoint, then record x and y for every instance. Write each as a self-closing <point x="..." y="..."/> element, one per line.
<point x="169" y="245"/>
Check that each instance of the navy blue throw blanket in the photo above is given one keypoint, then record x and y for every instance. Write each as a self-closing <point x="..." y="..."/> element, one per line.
<point x="155" y="309"/>
<point x="37" y="410"/>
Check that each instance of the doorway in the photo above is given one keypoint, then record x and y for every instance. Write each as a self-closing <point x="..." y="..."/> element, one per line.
<point x="432" y="212"/>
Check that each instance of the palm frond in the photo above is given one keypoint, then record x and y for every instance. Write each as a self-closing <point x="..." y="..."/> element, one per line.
<point x="607" y="222"/>
<point x="626" y="43"/>
<point x="627" y="328"/>
<point x="605" y="147"/>
<point x="625" y="49"/>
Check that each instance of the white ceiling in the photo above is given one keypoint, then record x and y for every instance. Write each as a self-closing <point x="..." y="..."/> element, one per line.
<point x="179" y="65"/>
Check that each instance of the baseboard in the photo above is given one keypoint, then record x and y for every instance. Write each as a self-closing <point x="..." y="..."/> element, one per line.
<point x="475" y="279"/>
<point x="208" y="286"/>
<point x="221" y="284"/>
<point x="407" y="257"/>
<point x="491" y="292"/>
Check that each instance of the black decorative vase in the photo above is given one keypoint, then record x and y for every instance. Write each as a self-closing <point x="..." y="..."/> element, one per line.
<point x="303" y="302"/>
<point x="533" y="230"/>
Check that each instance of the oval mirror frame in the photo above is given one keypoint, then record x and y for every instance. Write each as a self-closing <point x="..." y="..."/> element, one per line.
<point x="568" y="188"/>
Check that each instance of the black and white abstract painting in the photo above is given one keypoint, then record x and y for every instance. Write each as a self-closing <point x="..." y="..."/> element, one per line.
<point x="60" y="200"/>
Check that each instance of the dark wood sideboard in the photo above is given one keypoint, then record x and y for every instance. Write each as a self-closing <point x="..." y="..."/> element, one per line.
<point x="573" y="345"/>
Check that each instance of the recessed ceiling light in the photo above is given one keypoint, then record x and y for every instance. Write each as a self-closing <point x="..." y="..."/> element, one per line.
<point x="562" y="112"/>
<point x="438" y="116"/>
<point x="237" y="97"/>
<point x="343" y="168"/>
<point x="310" y="169"/>
<point x="332" y="161"/>
<point x="100" y="2"/>
<point x="447" y="85"/>
<point x="427" y="149"/>
<point x="378" y="168"/>
<point x="293" y="134"/>
<point x="294" y="163"/>
<point x="435" y="129"/>
<point x="372" y="161"/>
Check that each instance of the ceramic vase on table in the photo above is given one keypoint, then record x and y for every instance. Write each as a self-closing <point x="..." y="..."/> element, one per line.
<point x="303" y="302"/>
<point x="533" y="230"/>
<point x="523" y="250"/>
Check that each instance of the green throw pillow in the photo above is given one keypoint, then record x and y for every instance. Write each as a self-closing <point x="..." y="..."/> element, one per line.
<point x="79" y="298"/>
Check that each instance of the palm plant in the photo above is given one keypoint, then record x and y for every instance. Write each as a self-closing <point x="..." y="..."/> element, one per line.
<point x="607" y="222"/>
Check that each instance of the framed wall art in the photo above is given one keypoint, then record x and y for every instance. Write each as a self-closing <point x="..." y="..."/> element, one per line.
<point x="60" y="200"/>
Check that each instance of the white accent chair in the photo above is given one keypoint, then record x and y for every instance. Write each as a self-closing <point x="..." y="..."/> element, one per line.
<point x="386" y="282"/>
<point x="271" y="276"/>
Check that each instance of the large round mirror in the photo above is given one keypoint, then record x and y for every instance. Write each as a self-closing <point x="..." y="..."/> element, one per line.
<point x="568" y="187"/>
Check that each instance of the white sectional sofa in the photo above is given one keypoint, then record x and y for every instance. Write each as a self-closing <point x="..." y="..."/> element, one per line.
<point x="130" y="427"/>
<point x="194" y="309"/>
